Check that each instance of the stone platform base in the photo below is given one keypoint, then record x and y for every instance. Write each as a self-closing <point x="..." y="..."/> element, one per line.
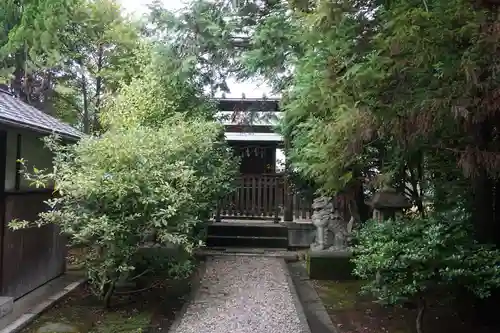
<point x="6" y="305"/>
<point x="300" y="235"/>
<point x="329" y="265"/>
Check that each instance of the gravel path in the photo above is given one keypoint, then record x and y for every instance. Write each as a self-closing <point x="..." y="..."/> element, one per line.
<point x="242" y="295"/>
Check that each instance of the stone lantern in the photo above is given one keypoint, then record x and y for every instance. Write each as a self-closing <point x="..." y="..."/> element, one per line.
<point x="388" y="204"/>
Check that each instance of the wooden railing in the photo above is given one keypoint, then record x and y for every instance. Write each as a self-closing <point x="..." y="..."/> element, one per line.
<point x="301" y="207"/>
<point x="261" y="197"/>
<point x="255" y="196"/>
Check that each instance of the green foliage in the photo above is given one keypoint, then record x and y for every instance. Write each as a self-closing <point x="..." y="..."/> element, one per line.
<point x="32" y="34"/>
<point x="102" y="53"/>
<point x="164" y="262"/>
<point x="35" y="29"/>
<point x="166" y="87"/>
<point x="115" y="189"/>
<point x="367" y="91"/>
<point x="201" y="35"/>
<point x="65" y="57"/>
<point x="407" y="260"/>
<point x="273" y="47"/>
<point x="227" y="38"/>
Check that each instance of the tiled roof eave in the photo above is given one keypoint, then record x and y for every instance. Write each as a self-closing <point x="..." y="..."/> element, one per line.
<point x="39" y="129"/>
<point x="16" y="113"/>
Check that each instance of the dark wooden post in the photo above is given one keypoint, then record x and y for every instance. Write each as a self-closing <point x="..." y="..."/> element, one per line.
<point x="3" y="161"/>
<point x="217" y="211"/>
<point x="288" y="206"/>
<point x="277" y="198"/>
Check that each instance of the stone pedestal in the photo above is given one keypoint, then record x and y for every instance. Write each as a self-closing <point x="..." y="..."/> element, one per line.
<point x="330" y="265"/>
<point x="330" y="257"/>
<point x="300" y="235"/>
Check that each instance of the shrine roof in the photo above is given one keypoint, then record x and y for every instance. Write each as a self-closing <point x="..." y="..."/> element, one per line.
<point x="248" y="104"/>
<point x="246" y="136"/>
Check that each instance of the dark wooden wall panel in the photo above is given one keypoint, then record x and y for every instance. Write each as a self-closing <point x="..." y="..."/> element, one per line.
<point x="33" y="256"/>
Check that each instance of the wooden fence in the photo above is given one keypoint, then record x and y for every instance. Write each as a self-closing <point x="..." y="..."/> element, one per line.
<point x="260" y="197"/>
<point x="33" y="256"/>
<point x="301" y="207"/>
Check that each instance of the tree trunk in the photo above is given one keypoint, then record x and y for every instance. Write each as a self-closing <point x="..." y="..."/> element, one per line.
<point x="356" y="204"/>
<point x="422" y="306"/>
<point x="415" y="191"/>
<point x="362" y="211"/>
<point x="98" y="89"/>
<point x="496" y="211"/>
<point x="46" y="93"/>
<point x="86" y="116"/>
<point x="110" y="288"/>
<point x="17" y="79"/>
<point x="482" y="187"/>
<point x="482" y="214"/>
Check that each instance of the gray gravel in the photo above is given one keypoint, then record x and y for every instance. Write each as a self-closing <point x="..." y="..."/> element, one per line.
<point x="242" y="295"/>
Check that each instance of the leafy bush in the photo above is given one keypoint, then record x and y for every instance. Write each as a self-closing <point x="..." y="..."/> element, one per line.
<point x="116" y="189"/>
<point x="163" y="262"/>
<point x="410" y="260"/>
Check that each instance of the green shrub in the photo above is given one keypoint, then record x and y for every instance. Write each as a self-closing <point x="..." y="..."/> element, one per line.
<point x="410" y="260"/>
<point x="116" y="189"/>
<point x="163" y="262"/>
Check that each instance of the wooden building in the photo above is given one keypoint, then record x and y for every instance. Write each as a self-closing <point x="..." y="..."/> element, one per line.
<point x="262" y="189"/>
<point x="33" y="256"/>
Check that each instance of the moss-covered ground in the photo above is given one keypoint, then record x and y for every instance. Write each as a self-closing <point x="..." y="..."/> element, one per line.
<point x="353" y="313"/>
<point x="149" y="307"/>
<point x="151" y="310"/>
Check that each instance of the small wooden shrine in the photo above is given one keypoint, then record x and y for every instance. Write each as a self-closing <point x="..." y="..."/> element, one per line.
<point x="262" y="190"/>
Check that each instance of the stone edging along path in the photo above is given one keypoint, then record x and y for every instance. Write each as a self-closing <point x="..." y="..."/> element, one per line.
<point x="28" y="317"/>
<point x="317" y="317"/>
<point x="243" y="294"/>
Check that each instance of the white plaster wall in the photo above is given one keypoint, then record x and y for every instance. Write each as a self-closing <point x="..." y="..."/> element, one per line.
<point x="32" y="150"/>
<point x="10" y="163"/>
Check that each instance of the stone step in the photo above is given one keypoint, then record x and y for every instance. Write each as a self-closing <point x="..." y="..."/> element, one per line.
<point x="246" y="241"/>
<point x="251" y="218"/>
<point x="247" y="229"/>
<point x="283" y="253"/>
